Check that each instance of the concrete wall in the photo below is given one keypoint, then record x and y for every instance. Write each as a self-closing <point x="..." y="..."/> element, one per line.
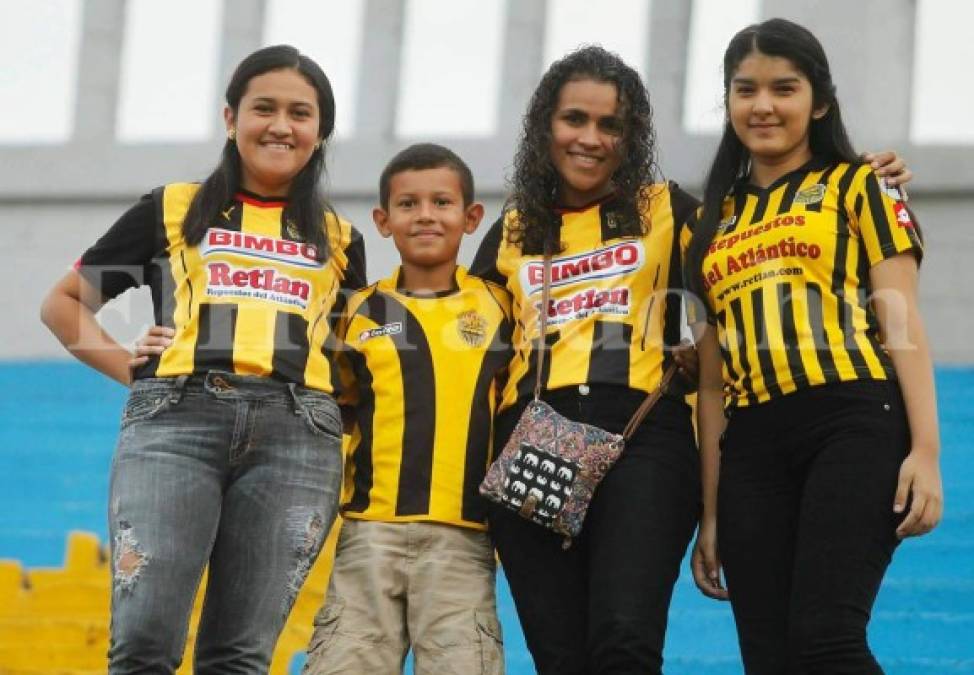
<point x="55" y="200"/>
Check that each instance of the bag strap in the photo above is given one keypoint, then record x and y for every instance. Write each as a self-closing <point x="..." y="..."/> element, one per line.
<point x="650" y="400"/>
<point x="648" y="403"/>
<point x="543" y="319"/>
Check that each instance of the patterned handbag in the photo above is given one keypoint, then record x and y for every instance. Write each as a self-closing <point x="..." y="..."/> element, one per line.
<point x="551" y="465"/>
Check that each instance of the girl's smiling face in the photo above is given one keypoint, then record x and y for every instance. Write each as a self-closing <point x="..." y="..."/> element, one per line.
<point x="586" y="131"/>
<point x="770" y="104"/>
<point x="276" y="127"/>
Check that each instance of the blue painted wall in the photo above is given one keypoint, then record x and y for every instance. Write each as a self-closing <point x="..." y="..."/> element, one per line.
<point x="58" y="423"/>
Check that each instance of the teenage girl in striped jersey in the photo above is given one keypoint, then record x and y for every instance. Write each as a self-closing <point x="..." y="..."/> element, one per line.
<point x="229" y="452"/>
<point x="816" y="404"/>
<point x="586" y="186"/>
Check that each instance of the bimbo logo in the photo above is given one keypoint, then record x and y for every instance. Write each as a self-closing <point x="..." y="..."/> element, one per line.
<point x="258" y="246"/>
<point x="602" y="263"/>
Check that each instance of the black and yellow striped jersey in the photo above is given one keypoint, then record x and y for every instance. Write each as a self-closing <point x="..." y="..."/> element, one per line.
<point x="249" y="299"/>
<point x="422" y="374"/>
<point x="787" y="278"/>
<point x="615" y="301"/>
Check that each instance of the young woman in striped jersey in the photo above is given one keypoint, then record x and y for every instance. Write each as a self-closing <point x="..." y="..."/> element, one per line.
<point x="816" y="404"/>
<point x="229" y="452"/>
<point x="587" y="188"/>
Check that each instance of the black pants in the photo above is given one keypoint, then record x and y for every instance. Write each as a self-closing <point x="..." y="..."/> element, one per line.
<point x="601" y="606"/>
<point x="806" y="527"/>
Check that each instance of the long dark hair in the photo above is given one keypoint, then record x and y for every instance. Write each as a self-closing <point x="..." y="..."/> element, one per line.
<point x="307" y="205"/>
<point x="535" y="183"/>
<point x="827" y="136"/>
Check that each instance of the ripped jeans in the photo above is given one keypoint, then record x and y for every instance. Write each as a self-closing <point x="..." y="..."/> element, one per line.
<point x="239" y="472"/>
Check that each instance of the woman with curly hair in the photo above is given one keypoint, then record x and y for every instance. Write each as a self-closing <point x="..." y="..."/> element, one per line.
<point x="586" y="190"/>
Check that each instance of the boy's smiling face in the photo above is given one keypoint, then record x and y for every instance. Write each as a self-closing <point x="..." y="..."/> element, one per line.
<point x="426" y="218"/>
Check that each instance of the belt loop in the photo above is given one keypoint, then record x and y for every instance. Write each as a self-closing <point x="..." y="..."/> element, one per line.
<point x="293" y="390"/>
<point x="176" y="393"/>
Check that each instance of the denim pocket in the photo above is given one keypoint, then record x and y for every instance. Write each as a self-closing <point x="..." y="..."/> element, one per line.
<point x="321" y="413"/>
<point x="143" y="405"/>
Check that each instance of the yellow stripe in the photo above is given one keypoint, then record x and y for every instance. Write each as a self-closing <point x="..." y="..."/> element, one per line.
<point x="179" y="358"/>
<point x="253" y="343"/>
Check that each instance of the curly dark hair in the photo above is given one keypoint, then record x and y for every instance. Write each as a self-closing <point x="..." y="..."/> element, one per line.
<point x="535" y="183"/>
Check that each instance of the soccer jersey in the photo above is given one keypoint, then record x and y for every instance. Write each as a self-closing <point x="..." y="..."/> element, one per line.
<point x="615" y="301"/>
<point x="422" y="372"/>
<point x="787" y="279"/>
<point x="250" y="298"/>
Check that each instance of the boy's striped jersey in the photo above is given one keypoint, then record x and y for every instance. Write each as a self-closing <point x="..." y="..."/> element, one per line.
<point x="422" y="374"/>
<point x="249" y="299"/>
<point x="615" y="303"/>
<point x="787" y="279"/>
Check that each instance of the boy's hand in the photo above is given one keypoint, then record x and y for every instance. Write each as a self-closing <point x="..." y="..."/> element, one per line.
<point x="154" y="342"/>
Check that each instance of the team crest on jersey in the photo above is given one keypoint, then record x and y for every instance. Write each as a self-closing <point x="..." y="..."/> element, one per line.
<point x="726" y="224"/>
<point x="393" y="328"/>
<point x="472" y="328"/>
<point x="810" y="195"/>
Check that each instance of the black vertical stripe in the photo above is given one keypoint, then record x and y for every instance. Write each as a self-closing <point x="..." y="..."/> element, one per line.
<point x="741" y="349"/>
<point x="477" y="455"/>
<point x="525" y="388"/>
<point x="840" y="277"/>
<point x="672" y="317"/>
<point x="159" y="278"/>
<point x="362" y="478"/>
<point x="789" y="333"/>
<point x="823" y="180"/>
<point x="419" y="411"/>
<point x="609" y="361"/>
<point x="375" y="310"/>
<point x="762" y="206"/>
<point x="791" y="189"/>
<point x="762" y="344"/>
<point x="214" y="343"/>
<point x="740" y="202"/>
<point x="290" y="347"/>
<point x="816" y="322"/>
<point x="884" y="229"/>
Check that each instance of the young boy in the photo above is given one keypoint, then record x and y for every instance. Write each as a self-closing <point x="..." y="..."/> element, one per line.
<point x="422" y="352"/>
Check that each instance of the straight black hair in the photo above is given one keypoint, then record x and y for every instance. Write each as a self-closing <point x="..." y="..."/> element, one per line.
<point x="827" y="135"/>
<point x="423" y="156"/>
<point x="307" y="205"/>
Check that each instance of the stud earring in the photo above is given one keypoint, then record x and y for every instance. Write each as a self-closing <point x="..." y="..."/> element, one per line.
<point x="231" y="134"/>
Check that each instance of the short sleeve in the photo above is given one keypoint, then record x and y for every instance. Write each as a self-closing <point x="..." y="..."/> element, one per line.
<point x="117" y="261"/>
<point x="696" y="308"/>
<point x="884" y="222"/>
<point x="355" y="273"/>
<point x="485" y="261"/>
<point x="342" y="363"/>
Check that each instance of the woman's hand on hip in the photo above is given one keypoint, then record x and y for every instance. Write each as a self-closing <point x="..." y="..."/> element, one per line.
<point x="155" y="341"/>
